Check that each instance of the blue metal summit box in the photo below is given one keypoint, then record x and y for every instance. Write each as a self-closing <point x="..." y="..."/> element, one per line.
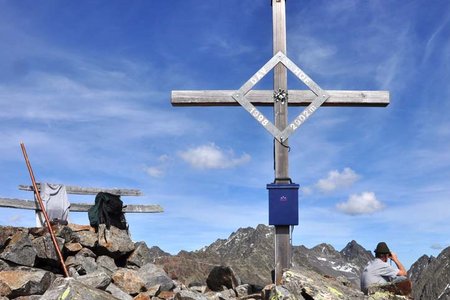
<point x="283" y="204"/>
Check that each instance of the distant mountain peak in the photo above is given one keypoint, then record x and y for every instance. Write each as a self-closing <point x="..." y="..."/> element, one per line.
<point x="354" y="250"/>
<point x="324" y="248"/>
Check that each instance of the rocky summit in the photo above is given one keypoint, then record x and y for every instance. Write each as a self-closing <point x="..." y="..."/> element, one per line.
<point x="106" y="264"/>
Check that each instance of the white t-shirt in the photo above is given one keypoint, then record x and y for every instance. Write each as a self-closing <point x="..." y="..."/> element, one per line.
<point x="377" y="272"/>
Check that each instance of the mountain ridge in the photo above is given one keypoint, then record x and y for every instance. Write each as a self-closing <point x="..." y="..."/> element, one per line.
<point x="250" y="253"/>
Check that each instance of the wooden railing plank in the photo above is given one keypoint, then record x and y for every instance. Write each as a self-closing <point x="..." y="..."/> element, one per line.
<point x="79" y="207"/>
<point x="77" y="190"/>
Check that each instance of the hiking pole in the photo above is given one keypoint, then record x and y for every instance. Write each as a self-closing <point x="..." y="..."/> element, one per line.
<point x="44" y="212"/>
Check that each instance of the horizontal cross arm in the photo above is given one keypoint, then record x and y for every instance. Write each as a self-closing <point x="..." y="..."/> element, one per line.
<point x="265" y="98"/>
<point x="76" y="190"/>
<point x="78" y="207"/>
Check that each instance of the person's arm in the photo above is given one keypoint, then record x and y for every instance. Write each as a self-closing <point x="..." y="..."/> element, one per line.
<point x="401" y="269"/>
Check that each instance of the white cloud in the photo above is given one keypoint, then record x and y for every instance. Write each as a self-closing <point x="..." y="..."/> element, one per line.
<point x="159" y="170"/>
<point x="437" y="246"/>
<point x="336" y="180"/>
<point x="212" y="157"/>
<point x="155" y="171"/>
<point x="360" y="204"/>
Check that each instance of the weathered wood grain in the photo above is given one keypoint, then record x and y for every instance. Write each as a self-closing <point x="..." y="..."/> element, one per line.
<point x="265" y="98"/>
<point x="77" y="190"/>
<point x="78" y="207"/>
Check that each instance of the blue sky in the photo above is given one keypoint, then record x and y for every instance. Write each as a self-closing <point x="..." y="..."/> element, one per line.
<point x="86" y="86"/>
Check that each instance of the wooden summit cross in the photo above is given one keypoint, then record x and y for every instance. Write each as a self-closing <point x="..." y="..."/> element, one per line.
<point x="312" y="98"/>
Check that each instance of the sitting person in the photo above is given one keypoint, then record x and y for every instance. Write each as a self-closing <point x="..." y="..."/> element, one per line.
<point x="378" y="272"/>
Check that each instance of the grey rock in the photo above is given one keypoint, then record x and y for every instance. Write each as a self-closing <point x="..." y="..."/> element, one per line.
<point x="45" y="250"/>
<point x="282" y="293"/>
<point x="153" y="291"/>
<point x="64" y="232"/>
<point x="106" y="264"/>
<point x="4" y="265"/>
<point x="32" y="297"/>
<point x="140" y="256"/>
<point x="154" y="275"/>
<point x="227" y="294"/>
<point x="82" y="264"/>
<point x="198" y="288"/>
<point x="73" y="248"/>
<point x="25" y="281"/>
<point x="86" y="238"/>
<point x="73" y="272"/>
<point x="86" y="252"/>
<point x="307" y="284"/>
<point x="20" y="250"/>
<point x="98" y="279"/>
<point x="117" y="292"/>
<point x="69" y="288"/>
<point x="243" y="290"/>
<point x="189" y="295"/>
<point x="114" y="242"/>
<point x="6" y="233"/>
<point x="128" y="281"/>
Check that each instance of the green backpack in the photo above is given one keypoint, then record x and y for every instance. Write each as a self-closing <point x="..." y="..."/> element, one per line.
<point x="108" y="210"/>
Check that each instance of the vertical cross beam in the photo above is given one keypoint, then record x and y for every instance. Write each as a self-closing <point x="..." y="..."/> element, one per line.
<point x="248" y="98"/>
<point x="281" y="163"/>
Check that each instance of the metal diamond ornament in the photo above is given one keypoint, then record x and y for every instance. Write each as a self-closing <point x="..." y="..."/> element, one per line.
<point x="321" y="97"/>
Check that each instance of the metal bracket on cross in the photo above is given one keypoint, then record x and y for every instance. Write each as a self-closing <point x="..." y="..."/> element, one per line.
<point x="321" y="97"/>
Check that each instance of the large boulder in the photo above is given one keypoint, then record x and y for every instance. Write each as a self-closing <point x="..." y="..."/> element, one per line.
<point x="140" y="256"/>
<point x="114" y="242"/>
<point x="45" y="249"/>
<point x="98" y="279"/>
<point x="69" y="288"/>
<point x="86" y="238"/>
<point x="24" y="281"/>
<point x="6" y="233"/>
<point x="222" y="278"/>
<point x="306" y="284"/>
<point x="128" y="281"/>
<point x="83" y="262"/>
<point x="20" y="250"/>
<point x="107" y="264"/>
<point x="154" y="275"/>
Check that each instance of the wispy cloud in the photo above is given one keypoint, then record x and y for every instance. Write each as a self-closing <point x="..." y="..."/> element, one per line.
<point x="224" y="47"/>
<point x="431" y="44"/>
<point x="160" y="169"/>
<point x="361" y="204"/>
<point x="212" y="157"/>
